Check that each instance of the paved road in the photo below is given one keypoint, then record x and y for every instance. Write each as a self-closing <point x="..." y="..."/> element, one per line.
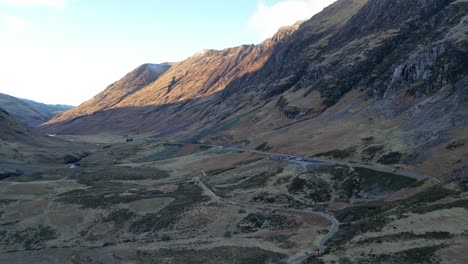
<point x="317" y="161"/>
<point x="334" y="222"/>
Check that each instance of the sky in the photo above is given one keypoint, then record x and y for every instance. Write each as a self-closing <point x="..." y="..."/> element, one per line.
<point x="67" y="51"/>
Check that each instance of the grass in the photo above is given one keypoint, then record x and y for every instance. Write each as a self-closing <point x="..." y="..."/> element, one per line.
<point x="410" y="256"/>
<point x="312" y="187"/>
<point x="119" y="217"/>
<point x="363" y="211"/>
<point x="88" y="174"/>
<point x="218" y="171"/>
<point x="225" y="254"/>
<point x="369" y="153"/>
<point x="105" y="195"/>
<point x="187" y="196"/>
<point x="263" y="147"/>
<point x="429" y="195"/>
<point x="407" y="236"/>
<point x="455" y="144"/>
<point x="32" y="237"/>
<point x="436" y="207"/>
<point x="362" y="182"/>
<point x="390" y="158"/>
<point x="257" y="180"/>
<point x="337" y="153"/>
<point x="382" y="181"/>
<point x="282" y="241"/>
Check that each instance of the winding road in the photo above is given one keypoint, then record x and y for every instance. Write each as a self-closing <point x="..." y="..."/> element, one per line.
<point x="306" y="161"/>
<point x="332" y="231"/>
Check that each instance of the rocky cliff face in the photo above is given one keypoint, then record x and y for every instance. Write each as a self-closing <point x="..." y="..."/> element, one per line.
<point x="375" y="69"/>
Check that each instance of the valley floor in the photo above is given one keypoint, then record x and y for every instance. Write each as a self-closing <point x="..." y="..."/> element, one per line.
<point x="146" y="201"/>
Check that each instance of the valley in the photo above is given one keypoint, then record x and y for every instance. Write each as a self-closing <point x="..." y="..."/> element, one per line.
<point x="145" y="199"/>
<point x="340" y="139"/>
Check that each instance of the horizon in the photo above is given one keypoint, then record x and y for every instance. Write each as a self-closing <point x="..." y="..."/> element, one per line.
<point x="63" y="46"/>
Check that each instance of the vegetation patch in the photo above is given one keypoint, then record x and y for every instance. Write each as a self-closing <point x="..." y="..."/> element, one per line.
<point x="120" y="217"/>
<point x="105" y="195"/>
<point x="369" y="153"/>
<point x="455" y="144"/>
<point x="358" y="182"/>
<point x="272" y="198"/>
<point x="390" y="158"/>
<point x="282" y="241"/>
<point x="246" y="162"/>
<point x="436" y="207"/>
<point x="187" y="196"/>
<point x="256" y="221"/>
<point x="311" y="187"/>
<point x="32" y="237"/>
<point x="292" y="112"/>
<point x="407" y="236"/>
<point x="218" y="171"/>
<point x="254" y="181"/>
<point x="228" y="255"/>
<point x="375" y="182"/>
<point x="429" y="195"/>
<point x="87" y="175"/>
<point x="263" y="147"/>
<point x="165" y="151"/>
<point x="337" y="153"/>
<point x="410" y="256"/>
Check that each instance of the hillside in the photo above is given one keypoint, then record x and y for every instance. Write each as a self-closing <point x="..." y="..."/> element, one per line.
<point x="51" y="109"/>
<point x="116" y="92"/>
<point x="23" y="111"/>
<point x="375" y="81"/>
<point x="22" y="147"/>
<point x="30" y="112"/>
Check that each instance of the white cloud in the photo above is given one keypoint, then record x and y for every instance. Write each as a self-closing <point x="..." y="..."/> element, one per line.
<point x="16" y="22"/>
<point x="268" y="19"/>
<point x="60" y="4"/>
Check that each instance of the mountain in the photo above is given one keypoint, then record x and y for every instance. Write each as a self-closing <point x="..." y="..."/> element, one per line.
<point x="51" y="109"/>
<point x="23" y="111"/>
<point x="118" y="91"/>
<point x="378" y="81"/>
<point x="30" y="112"/>
<point x="21" y="144"/>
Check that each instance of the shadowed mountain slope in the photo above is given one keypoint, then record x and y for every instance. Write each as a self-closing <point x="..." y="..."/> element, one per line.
<point x="20" y="144"/>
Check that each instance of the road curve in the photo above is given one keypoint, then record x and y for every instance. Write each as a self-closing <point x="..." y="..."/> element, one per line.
<point x="331" y="232"/>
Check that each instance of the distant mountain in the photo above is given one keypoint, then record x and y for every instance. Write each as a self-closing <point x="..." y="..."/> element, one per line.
<point x="118" y="91"/>
<point x="30" y="112"/>
<point x="20" y="143"/>
<point x="23" y="111"/>
<point x="380" y="81"/>
<point x="52" y="109"/>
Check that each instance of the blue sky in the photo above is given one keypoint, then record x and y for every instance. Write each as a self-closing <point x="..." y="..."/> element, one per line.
<point x="66" y="51"/>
